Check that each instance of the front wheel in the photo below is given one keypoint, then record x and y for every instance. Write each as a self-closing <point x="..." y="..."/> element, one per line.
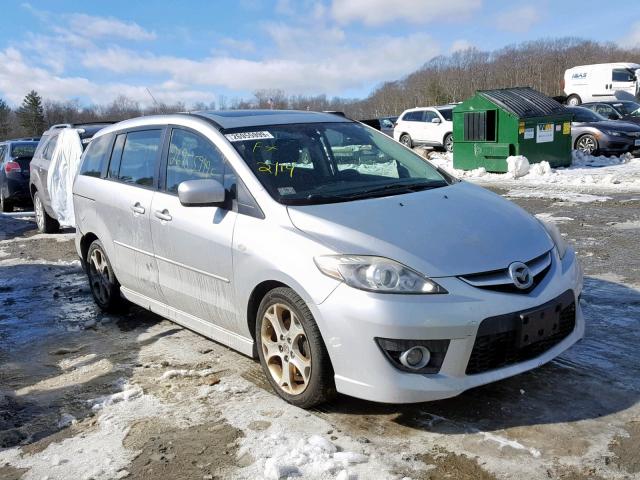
<point x="448" y="142"/>
<point x="105" y="287"/>
<point x="405" y="139"/>
<point x="46" y="224"/>
<point x="292" y="353"/>
<point x="587" y="144"/>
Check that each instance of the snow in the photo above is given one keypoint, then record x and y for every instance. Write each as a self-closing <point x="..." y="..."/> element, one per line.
<point x="588" y="179"/>
<point x="187" y="373"/>
<point x="517" y="166"/>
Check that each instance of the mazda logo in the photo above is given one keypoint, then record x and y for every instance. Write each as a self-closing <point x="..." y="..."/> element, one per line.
<point x="520" y="275"/>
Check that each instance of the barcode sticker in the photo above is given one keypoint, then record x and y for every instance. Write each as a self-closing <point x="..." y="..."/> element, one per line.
<point x="247" y="136"/>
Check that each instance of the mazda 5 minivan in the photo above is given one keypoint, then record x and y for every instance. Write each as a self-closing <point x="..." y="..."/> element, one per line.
<point x="340" y="258"/>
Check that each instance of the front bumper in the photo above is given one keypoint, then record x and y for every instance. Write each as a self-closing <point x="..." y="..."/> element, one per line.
<point x="611" y="144"/>
<point x="351" y="319"/>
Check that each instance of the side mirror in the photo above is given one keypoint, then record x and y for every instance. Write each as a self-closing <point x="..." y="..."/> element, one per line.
<point x="614" y="116"/>
<point x="435" y="120"/>
<point x="201" y="193"/>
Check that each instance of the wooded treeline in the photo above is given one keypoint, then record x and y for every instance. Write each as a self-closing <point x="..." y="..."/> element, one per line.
<point x="539" y="64"/>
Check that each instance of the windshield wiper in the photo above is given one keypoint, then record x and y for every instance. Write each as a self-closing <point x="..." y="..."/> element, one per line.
<point x="396" y="188"/>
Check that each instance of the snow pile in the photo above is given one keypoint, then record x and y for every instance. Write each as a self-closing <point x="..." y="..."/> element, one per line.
<point x="313" y="456"/>
<point x="587" y="175"/>
<point x="581" y="159"/>
<point x="517" y="166"/>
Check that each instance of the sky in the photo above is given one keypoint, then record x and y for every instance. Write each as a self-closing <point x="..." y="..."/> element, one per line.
<point x="200" y="51"/>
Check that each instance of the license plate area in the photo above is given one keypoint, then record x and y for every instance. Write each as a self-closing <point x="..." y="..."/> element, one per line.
<point x="637" y="143"/>
<point x="539" y="324"/>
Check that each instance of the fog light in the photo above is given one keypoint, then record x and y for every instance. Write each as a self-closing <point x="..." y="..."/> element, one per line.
<point x="416" y="357"/>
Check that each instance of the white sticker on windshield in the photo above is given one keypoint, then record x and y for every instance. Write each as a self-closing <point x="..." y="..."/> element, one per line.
<point x="246" y="136"/>
<point x="286" y="190"/>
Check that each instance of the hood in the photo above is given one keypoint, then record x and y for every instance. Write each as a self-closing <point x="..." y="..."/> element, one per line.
<point x="449" y="231"/>
<point x="617" y="125"/>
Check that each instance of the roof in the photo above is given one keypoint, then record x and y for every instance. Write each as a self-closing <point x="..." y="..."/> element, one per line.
<point x="524" y="102"/>
<point x="254" y="118"/>
<point x="606" y="65"/>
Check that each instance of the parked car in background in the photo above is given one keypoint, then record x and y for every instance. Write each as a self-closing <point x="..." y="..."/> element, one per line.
<point x="15" y="157"/>
<point x="431" y="126"/>
<point x="627" y="111"/>
<point x="384" y="124"/>
<point x="594" y="134"/>
<point x="396" y="284"/>
<point x="39" y="170"/>
<point x="602" y="81"/>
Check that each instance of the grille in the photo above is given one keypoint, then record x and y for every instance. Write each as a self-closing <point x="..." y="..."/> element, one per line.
<point x="500" y="281"/>
<point x="497" y="342"/>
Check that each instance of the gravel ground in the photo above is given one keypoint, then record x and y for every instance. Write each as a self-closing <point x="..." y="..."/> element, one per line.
<point x="89" y="395"/>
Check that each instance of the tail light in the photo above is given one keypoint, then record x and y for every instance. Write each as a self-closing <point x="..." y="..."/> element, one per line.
<point x="12" y="167"/>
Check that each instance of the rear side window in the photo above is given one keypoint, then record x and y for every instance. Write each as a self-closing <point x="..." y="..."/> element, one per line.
<point x="139" y="157"/>
<point x="414" y="116"/>
<point x="192" y="157"/>
<point x="94" y="158"/>
<point x="47" y="152"/>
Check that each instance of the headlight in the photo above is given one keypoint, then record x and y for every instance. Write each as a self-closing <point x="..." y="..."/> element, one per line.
<point x="612" y="133"/>
<point x="558" y="239"/>
<point x="376" y="274"/>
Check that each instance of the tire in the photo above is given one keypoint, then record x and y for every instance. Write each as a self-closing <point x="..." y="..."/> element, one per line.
<point x="46" y="224"/>
<point x="5" y="205"/>
<point x="447" y="143"/>
<point x="405" y="139"/>
<point x="574" y="100"/>
<point x="587" y="144"/>
<point x="284" y="327"/>
<point x="104" y="285"/>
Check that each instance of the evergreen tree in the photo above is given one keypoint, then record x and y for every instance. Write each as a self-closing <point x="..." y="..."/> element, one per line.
<point x="5" y="120"/>
<point x="31" y="114"/>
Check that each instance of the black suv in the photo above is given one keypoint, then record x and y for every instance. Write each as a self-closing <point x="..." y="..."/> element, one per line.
<point x="45" y="216"/>
<point x="15" y="156"/>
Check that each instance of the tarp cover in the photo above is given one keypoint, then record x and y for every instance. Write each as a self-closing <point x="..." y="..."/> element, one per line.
<point x="63" y="169"/>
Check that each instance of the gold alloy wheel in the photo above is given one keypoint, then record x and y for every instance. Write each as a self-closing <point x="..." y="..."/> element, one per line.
<point x="286" y="349"/>
<point x="99" y="275"/>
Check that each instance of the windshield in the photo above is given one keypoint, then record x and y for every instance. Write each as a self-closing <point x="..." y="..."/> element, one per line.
<point x="628" y="108"/>
<point x="304" y="164"/>
<point x="581" y="114"/>
<point x="23" y="149"/>
<point x="447" y="113"/>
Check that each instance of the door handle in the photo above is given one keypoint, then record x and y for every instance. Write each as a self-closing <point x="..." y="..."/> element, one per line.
<point x="137" y="208"/>
<point x="163" y="215"/>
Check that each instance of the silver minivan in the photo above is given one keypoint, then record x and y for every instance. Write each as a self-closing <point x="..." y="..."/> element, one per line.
<point x="337" y="256"/>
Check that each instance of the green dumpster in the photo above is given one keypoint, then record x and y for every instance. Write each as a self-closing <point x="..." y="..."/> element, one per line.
<point x="495" y="124"/>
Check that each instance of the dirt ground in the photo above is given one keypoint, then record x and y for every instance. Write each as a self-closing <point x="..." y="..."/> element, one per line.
<point x="89" y="395"/>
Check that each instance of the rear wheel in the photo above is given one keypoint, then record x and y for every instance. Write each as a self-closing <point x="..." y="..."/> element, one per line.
<point x="448" y="142"/>
<point x="405" y="139"/>
<point x="5" y="205"/>
<point x="105" y="287"/>
<point x="574" y="100"/>
<point x="587" y="144"/>
<point x="46" y="224"/>
<point x="292" y="353"/>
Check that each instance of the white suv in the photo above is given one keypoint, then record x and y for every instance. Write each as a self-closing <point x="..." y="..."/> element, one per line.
<point x="431" y="126"/>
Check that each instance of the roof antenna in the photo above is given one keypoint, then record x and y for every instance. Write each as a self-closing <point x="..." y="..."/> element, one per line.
<point x="154" y="100"/>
